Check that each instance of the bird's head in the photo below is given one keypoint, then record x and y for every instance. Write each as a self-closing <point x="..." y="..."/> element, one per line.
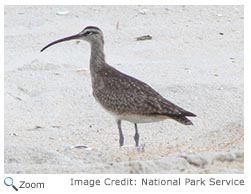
<point x="89" y="34"/>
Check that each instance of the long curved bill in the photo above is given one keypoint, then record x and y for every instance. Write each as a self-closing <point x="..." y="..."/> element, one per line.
<point x="76" y="36"/>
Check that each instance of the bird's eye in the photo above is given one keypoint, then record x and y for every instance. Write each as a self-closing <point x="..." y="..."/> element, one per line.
<point x="88" y="33"/>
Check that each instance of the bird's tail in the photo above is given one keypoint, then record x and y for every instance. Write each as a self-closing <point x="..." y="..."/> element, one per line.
<point x="183" y="120"/>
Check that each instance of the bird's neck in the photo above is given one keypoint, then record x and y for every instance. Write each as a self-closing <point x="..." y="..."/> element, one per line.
<point x="97" y="63"/>
<point x="97" y="53"/>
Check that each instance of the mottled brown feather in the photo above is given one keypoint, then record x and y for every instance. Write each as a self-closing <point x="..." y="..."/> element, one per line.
<point x="123" y="94"/>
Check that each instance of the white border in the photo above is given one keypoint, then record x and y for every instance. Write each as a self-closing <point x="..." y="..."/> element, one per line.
<point x="121" y="2"/>
<point x="60" y="183"/>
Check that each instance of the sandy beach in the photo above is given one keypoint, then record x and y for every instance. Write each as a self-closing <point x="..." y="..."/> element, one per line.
<point x="194" y="59"/>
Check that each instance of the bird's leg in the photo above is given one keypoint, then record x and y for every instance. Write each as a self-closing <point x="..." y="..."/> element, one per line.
<point x="121" y="136"/>
<point x="136" y="136"/>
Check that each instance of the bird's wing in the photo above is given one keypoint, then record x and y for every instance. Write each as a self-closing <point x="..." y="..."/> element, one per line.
<point x="134" y="96"/>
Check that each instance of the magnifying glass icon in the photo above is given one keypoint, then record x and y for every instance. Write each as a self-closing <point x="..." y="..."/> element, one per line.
<point x="8" y="181"/>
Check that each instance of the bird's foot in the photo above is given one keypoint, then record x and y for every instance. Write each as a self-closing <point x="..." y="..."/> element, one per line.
<point x="127" y="146"/>
<point x="141" y="148"/>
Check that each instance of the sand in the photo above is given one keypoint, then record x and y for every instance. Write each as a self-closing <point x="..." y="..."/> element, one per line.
<point x="194" y="59"/>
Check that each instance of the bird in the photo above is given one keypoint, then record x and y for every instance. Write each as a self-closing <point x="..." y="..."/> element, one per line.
<point x="123" y="96"/>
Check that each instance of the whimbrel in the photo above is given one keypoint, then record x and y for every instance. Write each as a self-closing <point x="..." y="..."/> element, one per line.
<point x="125" y="97"/>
